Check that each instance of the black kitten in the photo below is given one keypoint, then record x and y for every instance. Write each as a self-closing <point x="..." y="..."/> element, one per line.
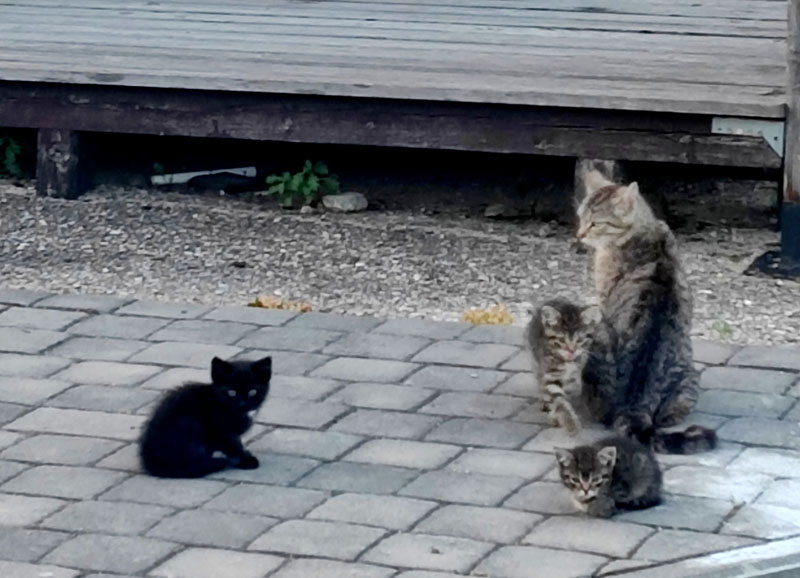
<point x="196" y="430"/>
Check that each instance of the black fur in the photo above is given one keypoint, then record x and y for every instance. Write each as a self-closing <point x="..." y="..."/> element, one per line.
<point x="196" y="430"/>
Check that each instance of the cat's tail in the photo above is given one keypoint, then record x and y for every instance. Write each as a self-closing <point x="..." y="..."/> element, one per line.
<point x="693" y="440"/>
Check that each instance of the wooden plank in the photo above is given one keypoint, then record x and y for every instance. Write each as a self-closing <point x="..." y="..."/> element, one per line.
<point x="790" y="206"/>
<point x="59" y="171"/>
<point x="385" y="123"/>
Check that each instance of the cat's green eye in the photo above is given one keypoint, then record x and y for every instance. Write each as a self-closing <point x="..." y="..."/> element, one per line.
<point x="252" y="393"/>
<point x="232" y="392"/>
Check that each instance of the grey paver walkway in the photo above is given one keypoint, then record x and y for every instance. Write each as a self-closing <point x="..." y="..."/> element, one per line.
<point x="388" y="449"/>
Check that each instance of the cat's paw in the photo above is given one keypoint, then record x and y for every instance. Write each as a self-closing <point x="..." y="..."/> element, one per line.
<point x="247" y="462"/>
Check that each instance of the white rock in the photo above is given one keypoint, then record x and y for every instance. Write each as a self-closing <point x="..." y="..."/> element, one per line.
<point x="345" y="203"/>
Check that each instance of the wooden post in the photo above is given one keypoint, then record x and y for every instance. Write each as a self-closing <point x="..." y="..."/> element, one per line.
<point x="790" y="207"/>
<point x="58" y="164"/>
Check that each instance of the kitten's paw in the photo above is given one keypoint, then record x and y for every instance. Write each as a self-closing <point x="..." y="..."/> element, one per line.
<point x="247" y="462"/>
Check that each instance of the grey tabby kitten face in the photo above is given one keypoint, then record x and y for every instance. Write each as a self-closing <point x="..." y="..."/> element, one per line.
<point x="568" y="336"/>
<point x="586" y="471"/>
<point x="608" y="215"/>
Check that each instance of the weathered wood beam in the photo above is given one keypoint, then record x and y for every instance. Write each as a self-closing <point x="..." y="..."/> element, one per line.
<point x="59" y="168"/>
<point x="790" y="207"/>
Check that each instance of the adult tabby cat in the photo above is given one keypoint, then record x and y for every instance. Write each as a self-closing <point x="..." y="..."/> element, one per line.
<point x="558" y="336"/>
<point x="639" y="376"/>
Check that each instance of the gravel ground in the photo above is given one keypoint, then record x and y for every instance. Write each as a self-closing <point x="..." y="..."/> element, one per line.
<point x="392" y="263"/>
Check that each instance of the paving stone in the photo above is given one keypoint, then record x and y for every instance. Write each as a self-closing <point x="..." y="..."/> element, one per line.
<point x="295" y="339"/>
<point x="109" y="553"/>
<point x="125" y="459"/>
<point x="793" y="415"/>
<point x="103" y="398"/>
<point x="51" y="319"/>
<point x="106" y="517"/>
<point x="317" y="538"/>
<point x="448" y="486"/>
<point x="29" y="391"/>
<point x="700" y="418"/>
<point x="174" y="493"/>
<point x="305" y="568"/>
<point x="423" y="328"/>
<point x="508" y="334"/>
<point x="327" y="445"/>
<point x="535" y="562"/>
<point x="333" y="322"/>
<point x="723" y="454"/>
<point x="209" y="528"/>
<point x="274" y="469"/>
<point x="8" y="439"/>
<point x="474" y="405"/>
<point x="682" y="512"/>
<point x="364" y="478"/>
<point x="377" y="346"/>
<point x="10" y="411"/>
<point x="618" y="566"/>
<point x="98" y="303"/>
<point x="404" y="453"/>
<point x="118" y="327"/>
<point x="209" y="563"/>
<point x="77" y="422"/>
<point x="777" y="463"/>
<point x="26" y="545"/>
<point x="714" y="483"/>
<point x="26" y="510"/>
<point x="520" y="362"/>
<point x="497" y="525"/>
<point x="771" y="357"/>
<point x="746" y="379"/>
<point x="184" y="354"/>
<point x="22" y="296"/>
<point x="382" y="396"/>
<point x="784" y="493"/>
<point x="267" y="500"/>
<point x="24" y="570"/>
<point x="610" y="538"/>
<point x="100" y="348"/>
<point x="484" y="432"/>
<point x="456" y="378"/>
<point x="464" y="353"/>
<point x="741" y="403"/>
<point x="16" y="365"/>
<point x="763" y="521"/>
<point x="63" y="481"/>
<point x="298" y="412"/>
<point x="426" y="574"/>
<point x="252" y="315"/>
<point x="18" y="340"/>
<point x="176" y="376"/>
<point x="299" y="387"/>
<point x="386" y="423"/>
<point x="533" y="414"/>
<point x="713" y="353"/>
<point x="358" y="369"/>
<point x="107" y="373"/>
<point x="63" y="450"/>
<point x="202" y="331"/>
<point x="503" y="463"/>
<point x="425" y="551"/>
<point x="542" y="497"/>
<point x="384" y="511"/>
<point x="287" y="362"/>
<point x="674" y="544"/>
<point x="551" y="438"/>
<point x="10" y="469"/>
<point x="521" y="384"/>
<point x="763" y="432"/>
<point x="146" y="308"/>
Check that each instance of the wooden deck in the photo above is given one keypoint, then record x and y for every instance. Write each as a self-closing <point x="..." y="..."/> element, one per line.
<point x="627" y="79"/>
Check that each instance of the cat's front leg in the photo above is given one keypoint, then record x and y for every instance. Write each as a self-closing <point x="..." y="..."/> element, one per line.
<point x="601" y="507"/>
<point x="239" y="457"/>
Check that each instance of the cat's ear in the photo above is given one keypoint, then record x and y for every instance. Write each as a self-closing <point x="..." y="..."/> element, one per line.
<point x="220" y="370"/>
<point x="607" y="456"/>
<point x="626" y="198"/>
<point x="550" y="316"/>
<point x="591" y="315"/>
<point x="564" y="457"/>
<point x="263" y="368"/>
<point x="593" y="181"/>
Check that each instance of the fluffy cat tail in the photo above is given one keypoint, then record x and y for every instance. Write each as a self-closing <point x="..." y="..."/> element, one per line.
<point x="693" y="440"/>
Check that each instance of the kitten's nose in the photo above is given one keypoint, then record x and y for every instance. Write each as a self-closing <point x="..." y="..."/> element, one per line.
<point x="581" y="233"/>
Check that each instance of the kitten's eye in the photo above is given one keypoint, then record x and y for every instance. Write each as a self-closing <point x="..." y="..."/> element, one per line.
<point x="232" y="393"/>
<point x="252" y="393"/>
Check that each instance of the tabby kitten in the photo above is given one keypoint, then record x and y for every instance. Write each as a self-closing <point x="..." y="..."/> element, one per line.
<point x="558" y="336"/>
<point x="639" y="375"/>
<point x="614" y="474"/>
<point x="196" y="430"/>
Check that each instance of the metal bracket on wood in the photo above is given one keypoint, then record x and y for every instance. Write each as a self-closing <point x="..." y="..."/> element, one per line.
<point x="771" y="131"/>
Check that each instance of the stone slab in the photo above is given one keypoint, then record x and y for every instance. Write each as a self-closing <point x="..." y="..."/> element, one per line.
<point x="184" y="354"/>
<point x="605" y="537"/>
<point x="51" y="319"/>
<point x="25" y="570"/>
<point x="358" y="369"/>
<point x="106" y="518"/>
<point x="210" y="528"/>
<point x="12" y="364"/>
<point x="426" y="551"/>
<point x="29" y="391"/>
<point x="293" y="339"/>
<point x="94" y="303"/>
<point x="63" y="481"/>
<point x="317" y="538"/>
<point x="542" y="497"/>
<point x="382" y="396"/>
<point x="484" y="432"/>
<point x="494" y="525"/>
<point x="423" y="328"/>
<point x="683" y="512"/>
<point x="324" y="445"/>
<point x="107" y="373"/>
<point x="770" y="357"/>
<point x="27" y="545"/>
<point x="456" y="378"/>
<point x="308" y="567"/>
<point x="103" y="398"/>
<point x="675" y="544"/>
<point x="712" y="353"/>
<point x="449" y="486"/>
<point x="162" y="492"/>
<point x="773" y="462"/>
<point x="503" y="463"/>
<point x="122" y="554"/>
<point x="764" y="522"/>
<point x="99" y="348"/>
<point x="118" y="327"/>
<point x="78" y="422"/>
<point x="508" y="334"/>
<point x="364" y="478"/>
<point x="474" y="405"/>
<point x="535" y="562"/>
<point x="267" y="500"/>
<point x="746" y="379"/>
<point x="273" y="469"/>
<point x="63" y="450"/>
<point x="176" y="376"/>
<point x="18" y="510"/>
<point x="22" y="296"/>
<point x="299" y="413"/>
<point x="743" y="404"/>
<point x="332" y="322"/>
<point x="299" y="387"/>
<point x="377" y="345"/>
<point x="385" y="423"/>
<point x="213" y="563"/>
<point x="763" y="432"/>
<point x="251" y="315"/>
<point x="715" y="483"/>
<point x="404" y="453"/>
<point x="203" y="331"/>
<point x="162" y="309"/>
<point x="489" y="355"/>
<point x="20" y="340"/>
<point x="388" y="512"/>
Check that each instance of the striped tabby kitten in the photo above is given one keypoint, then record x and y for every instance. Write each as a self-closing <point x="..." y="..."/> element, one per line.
<point x="639" y="376"/>
<point x="613" y="474"/>
<point x="558" y="336"/>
